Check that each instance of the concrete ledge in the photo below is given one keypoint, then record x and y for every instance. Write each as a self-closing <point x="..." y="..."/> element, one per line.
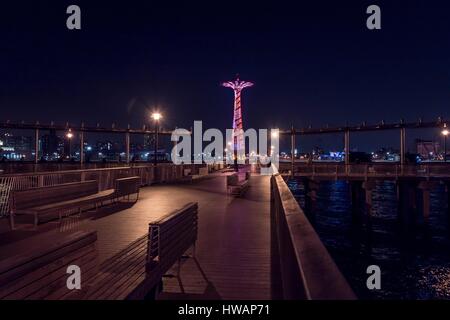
<point x="307" y="269"/>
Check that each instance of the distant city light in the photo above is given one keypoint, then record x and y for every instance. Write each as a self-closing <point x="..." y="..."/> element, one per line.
<point x="69" y="134"/>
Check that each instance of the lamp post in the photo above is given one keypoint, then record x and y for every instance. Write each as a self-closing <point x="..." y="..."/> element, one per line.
<point x="273" y="136"/>
<point x="236" y="166"/>
<point x="69" y="136"/>
<point x="445" y="133"/>
<point x="156" y="116"/>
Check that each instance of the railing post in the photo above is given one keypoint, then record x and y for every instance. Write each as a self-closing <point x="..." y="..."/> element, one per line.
<point x="36" y="146"/>
<point x="41" y="181"/>
<point x="127" y="145"/>
<point x="347" y="150"/>
<point x="402" y="148"/>
<point x="82" y="145"/>
<point x="292" y="151"/>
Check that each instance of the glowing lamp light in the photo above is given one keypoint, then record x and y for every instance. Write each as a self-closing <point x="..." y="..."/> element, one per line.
<point x="445" y="130"/>
<point x="69" y="134"/>
<point x="274" y="134"/>
<point x="156" y="116"/>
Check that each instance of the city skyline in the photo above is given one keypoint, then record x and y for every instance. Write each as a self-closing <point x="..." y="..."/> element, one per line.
<point x="54" y="145"/>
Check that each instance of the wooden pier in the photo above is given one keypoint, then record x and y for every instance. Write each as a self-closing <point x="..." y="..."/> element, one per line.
<point x="232" y="256"/>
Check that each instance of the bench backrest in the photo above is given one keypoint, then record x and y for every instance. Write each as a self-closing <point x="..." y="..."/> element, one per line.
<point x="170" y="237"/>
<point x="24" y="199"/>
<point x="39" y="271"/>
<point x="127" y="186"/>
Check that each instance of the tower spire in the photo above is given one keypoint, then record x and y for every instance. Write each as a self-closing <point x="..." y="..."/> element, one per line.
<point x="237" y="87"/>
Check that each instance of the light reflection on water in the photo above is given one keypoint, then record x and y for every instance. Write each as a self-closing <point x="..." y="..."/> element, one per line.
<point x="413" y="265"/>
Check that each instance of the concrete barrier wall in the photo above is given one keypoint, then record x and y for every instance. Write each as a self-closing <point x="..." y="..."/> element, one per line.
<point x="306" y="268"/>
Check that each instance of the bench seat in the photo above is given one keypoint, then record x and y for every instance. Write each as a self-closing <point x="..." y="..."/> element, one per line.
<point x="136" y="272"/>
<point x="36" y="268"/>
<point x="239" y="189"/>
<point x="74" y="203"/>
<point x="69" y="196"/>
<point x="235" y="186"/>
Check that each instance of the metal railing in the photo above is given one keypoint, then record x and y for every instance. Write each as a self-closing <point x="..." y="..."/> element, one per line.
<point x="369" y="170"/>
<point x="307" y="269"/>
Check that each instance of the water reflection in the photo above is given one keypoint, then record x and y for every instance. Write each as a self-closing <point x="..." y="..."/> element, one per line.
<point x="415" y="261"/>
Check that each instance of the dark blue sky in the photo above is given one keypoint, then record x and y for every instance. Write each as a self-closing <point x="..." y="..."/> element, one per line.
<point x="313" y="62"/>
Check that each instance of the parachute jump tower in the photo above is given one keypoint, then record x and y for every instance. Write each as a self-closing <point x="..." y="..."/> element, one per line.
<point x="237" y="87"/>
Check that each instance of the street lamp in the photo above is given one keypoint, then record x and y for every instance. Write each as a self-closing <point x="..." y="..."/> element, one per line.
<point x="156" y="116"/>
<point x="69" y="136"/>
<point x="445" y="133"/>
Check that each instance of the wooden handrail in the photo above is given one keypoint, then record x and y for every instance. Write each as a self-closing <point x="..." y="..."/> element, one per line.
<point x="307" y="269"/>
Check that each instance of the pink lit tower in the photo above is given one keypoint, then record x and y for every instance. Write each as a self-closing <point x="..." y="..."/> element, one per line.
<point x="237" y="87"/>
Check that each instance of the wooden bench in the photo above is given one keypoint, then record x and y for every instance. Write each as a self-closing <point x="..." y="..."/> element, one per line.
<point x="202" y="173"/>
<point x="235" y="187"/>
<point x="39" y="270"/>
<point x="125" y="187"/>
<point x="56" y="199"/>
<point x="136" y="272"/>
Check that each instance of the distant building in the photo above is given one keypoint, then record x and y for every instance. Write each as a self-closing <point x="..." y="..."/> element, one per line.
<point x="428" y="149"/>
<point x="49" y="144"/>
<point x="16" y="147"/>
<point x="386" y="154"/>
<point x="149" y="142"/>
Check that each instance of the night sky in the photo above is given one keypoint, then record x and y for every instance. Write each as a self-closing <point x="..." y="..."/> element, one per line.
<point x="313" y="62"/>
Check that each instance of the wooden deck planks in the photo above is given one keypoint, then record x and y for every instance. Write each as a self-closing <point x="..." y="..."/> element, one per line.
<point x="233" y="247"/>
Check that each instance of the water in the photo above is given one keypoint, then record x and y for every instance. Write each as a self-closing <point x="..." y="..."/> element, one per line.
<point x="415" y="263"/>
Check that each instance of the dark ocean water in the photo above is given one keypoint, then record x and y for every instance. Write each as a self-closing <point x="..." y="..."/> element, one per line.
<point x="414" y="262"/>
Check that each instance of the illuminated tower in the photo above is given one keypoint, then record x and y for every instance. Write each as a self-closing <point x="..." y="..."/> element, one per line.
<point x="238" y="86"/>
